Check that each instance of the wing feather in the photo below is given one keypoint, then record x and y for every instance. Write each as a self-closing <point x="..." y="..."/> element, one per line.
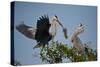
<point x="26" y="30"/>
<point x="43" y="26"/>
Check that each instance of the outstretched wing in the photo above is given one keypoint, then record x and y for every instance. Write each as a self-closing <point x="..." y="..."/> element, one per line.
<point x="26" y="30"/>
<point x="43" y="26"/>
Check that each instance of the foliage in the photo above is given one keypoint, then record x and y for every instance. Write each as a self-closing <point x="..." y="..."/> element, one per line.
<point x="56" y="52"/>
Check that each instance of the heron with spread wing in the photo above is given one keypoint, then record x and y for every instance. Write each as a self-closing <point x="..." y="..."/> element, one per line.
<point x="41" y="33"/>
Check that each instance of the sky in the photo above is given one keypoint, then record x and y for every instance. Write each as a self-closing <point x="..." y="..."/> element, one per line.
<point x="69" y="15"/>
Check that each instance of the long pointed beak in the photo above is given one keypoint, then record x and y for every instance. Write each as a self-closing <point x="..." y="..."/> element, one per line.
<point x="64" y="29"/>
<point x="60" y="23"/>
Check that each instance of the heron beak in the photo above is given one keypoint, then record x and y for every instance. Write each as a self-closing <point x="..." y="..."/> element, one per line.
<point x="64" y="29"/>
<point x="58" y="21"/>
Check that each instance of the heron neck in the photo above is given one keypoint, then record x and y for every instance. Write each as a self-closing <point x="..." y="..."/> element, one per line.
<point x="53" y="27"/>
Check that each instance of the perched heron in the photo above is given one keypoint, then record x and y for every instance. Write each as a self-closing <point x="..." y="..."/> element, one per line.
<point x="54" y="22"/>
<point x="41" y="33"/>
<point x="77" y="43"/>
<point x="63" y="28"/>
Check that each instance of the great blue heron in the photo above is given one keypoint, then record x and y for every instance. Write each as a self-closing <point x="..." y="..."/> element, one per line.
<point x="41" y="33"/>
<point x="77" y="43"/>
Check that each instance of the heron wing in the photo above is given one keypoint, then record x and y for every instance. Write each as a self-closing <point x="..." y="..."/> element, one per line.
<point x="26" y="30"/>
<point x="43" y="26"/>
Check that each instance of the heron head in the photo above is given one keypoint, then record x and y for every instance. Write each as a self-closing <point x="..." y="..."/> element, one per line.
<point x="80" y="28"/>
<point x="55" y="18"/>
